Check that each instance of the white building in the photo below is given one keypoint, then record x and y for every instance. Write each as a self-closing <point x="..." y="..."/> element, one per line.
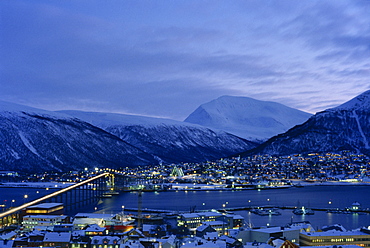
<point x="42" y="222"/>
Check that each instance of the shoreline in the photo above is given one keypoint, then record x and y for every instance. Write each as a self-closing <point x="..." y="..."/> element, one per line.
<point x="192" y="187"/>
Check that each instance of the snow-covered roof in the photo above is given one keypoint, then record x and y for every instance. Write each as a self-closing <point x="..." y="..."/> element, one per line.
<point x="147" y="227"/>
<point x="46" y="205"/>
<point x="94" y="227"/>
<point x="237" y="217"/>
<point x="211" y="235"/>
<point x="190" y="215"/>
<point x="273" y="229"/>
<point x="278" y="242"/>
<point x="94" y="215"/>
<point x="334" y="233"/>
<point x="8" y="235"/>
<point x="105" y="240"/>
<point x="132" y="244"/>
<point x="215" y="223"/>
<point x="257" y="245"/>
<point x="201" y="228"/>
<point x="57" y="237"/>
<point x="210" y="214"/>
<point x="6" y="243"/>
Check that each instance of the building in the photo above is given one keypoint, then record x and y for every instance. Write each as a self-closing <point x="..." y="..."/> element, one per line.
<point x="202" y="230"/>
<point x="45" y="209"/>
<point x="105" y="241"/>
<point x="194" y="220"/>
<point x="61" y="240"/>
<point x="286" y="233"/>
<point x="334" y="237"/>
<point x="43" y="222"/>
<point x="263" y="234"/>
<point x="356" y="206"/>
<point x="86" y="219"/>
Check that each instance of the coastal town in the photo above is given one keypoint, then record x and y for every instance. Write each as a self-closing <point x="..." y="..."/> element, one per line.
<point x="47" y="225"/>
<point x="226" y="173"/>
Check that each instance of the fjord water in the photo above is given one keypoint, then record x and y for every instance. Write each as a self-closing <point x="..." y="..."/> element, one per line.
<point x="310" y="196"/>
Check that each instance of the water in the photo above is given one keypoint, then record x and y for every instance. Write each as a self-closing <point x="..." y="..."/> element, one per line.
<point x="312" y="196"/>
<point x="12" y="197"/>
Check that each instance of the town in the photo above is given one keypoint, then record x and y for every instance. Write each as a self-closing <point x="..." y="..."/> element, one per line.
<point x="234" y="173"/>
<point x="45" y="225"/>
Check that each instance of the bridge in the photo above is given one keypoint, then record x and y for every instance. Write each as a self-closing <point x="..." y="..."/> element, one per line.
<point x="78" y="195"/>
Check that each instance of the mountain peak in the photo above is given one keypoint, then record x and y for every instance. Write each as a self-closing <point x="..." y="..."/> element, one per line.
<point x="360" y="102"/>
<point x="247" y="117"/>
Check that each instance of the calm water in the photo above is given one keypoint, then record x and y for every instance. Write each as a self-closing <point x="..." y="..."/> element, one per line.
<point x="312" y="196"/>
<point x="11" y="197"/>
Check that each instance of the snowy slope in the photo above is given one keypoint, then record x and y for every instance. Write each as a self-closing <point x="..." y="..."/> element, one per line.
<point x="346" y="127"/>
<point x="170" y="141"/>
<point x="11" y="109"/>
<point x="38" y="140"/>
<point x="246" y="117"/>
<point x="359" y="103"/>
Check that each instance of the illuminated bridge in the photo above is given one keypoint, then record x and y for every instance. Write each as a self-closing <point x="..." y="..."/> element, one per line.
<point x="82" y="194"/>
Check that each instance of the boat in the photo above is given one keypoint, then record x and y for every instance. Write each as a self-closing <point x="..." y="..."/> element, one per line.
<point x="265" y="212"/>
<point x="298" y="185"/>
<point x="303" y="211"/>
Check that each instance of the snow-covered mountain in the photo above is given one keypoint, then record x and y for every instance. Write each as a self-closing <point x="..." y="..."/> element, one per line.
<point x="168" y="140"/>
<point x="246" y="117"/>
<point x="346" y="127"/>
<point x="38" y="140"/>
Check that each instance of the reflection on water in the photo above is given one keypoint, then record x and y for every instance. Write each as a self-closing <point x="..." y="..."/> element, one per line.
<point x="313" y="196"/>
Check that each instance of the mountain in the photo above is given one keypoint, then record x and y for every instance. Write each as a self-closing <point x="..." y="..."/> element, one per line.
<point x="246" y="117"/>
<point x="37" y="140"/>
<point x="168" y="140"/>
<point x="346" y="127"/>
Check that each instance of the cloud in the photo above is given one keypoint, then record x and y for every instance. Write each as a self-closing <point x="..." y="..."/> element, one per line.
<point x="165" y="59"/>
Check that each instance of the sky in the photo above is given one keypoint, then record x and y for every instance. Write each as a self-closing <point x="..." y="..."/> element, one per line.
<point x="165" y="58"/>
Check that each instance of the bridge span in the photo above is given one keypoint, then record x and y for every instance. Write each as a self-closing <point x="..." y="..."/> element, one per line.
<point x="85" y="193"/>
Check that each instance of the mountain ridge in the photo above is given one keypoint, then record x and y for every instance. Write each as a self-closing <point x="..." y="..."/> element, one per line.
<point x="345" y="127"/>
<point x="168" y="140"/>
<point x="46" y="141"/>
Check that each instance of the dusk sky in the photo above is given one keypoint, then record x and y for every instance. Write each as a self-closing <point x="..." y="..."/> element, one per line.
<point x="164" y="58"/>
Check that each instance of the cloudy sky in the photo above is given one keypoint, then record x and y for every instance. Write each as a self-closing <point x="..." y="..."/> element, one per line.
<point x="165" y="58"/>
